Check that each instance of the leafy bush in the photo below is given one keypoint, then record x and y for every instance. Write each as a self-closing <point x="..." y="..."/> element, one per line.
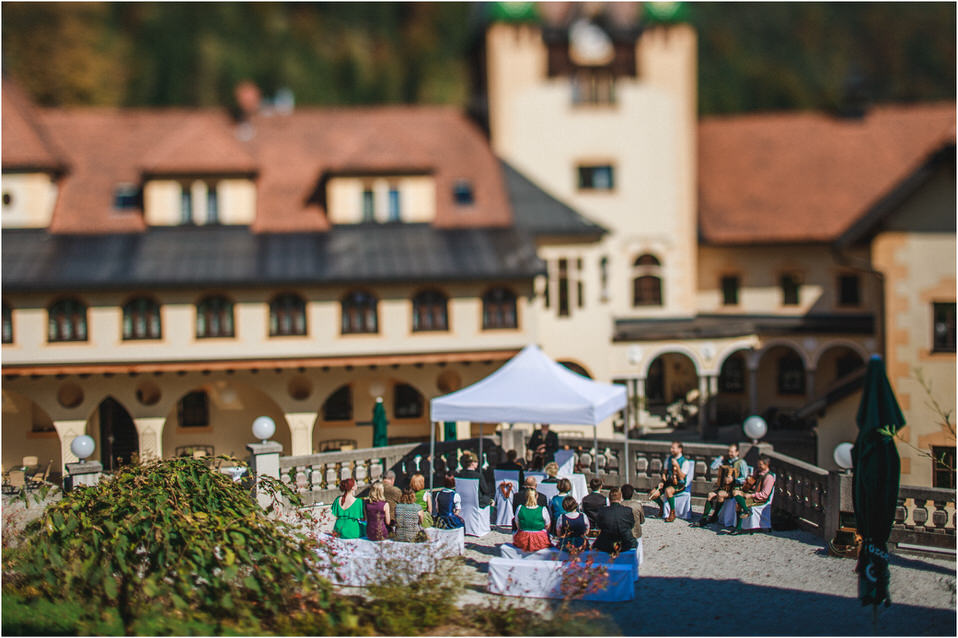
<point x="405" y="607"/>
<point x="173" y="544"/>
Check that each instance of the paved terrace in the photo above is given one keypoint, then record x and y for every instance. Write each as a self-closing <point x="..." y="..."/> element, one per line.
<point x="783" y="583"/>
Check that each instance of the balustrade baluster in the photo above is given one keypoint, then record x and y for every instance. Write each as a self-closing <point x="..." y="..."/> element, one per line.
<point x="920" y="514"/>
<point x="901" y="512"/>
<point x="940" y="517"/>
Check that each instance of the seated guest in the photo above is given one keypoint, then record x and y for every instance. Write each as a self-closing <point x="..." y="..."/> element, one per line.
<point x="756" y="491"/>
<point x="511" y="465"/>
<point x="447" y="505"/>
<point x="594" y="500"/>
<point x="391" y="493"/>
<point x="615" y="524"/>
<point x="348" y="511"/>
<point x="377" y="513"/>
<point x="673" y="480"/>
<point x="551" y="469"/>
<point x="722" y="490"/>
<point x="470" y="469"/>
<point x="627" y="493"/>
<point x="531" y="523"/>
<point x="572" y="527"/>
<point x="556" y="508"/>
<point x="417" y="483"/>
<point x="409" y="518"/>
<point x="529" y="486"/>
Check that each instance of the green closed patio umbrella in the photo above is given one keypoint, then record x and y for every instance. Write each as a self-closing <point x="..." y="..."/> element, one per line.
<point x="379" y="425"/>
<point x="449" y="431"/>
<point x="877" y="473"/>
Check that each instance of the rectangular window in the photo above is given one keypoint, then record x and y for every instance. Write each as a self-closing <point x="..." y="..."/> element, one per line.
<point x="849" y="290"/>
<point x="462" y="193"/>
<point x="944" y="467"/>
<point x="599" y="177"/>
<point x="194" y="410"/>
<point x="126" y="197"/>
<point x="212" y="205"/>
<point x="730" y="285"/>
<point x="592" y="87"/>
<point x="943" y="335"/>
<point x="563" y="287"/>
<point x="579" y="285"/>
<point x="790" y="287"/>
<point x="394" y="213"/>
<point x="604" y="277"/>
<point x="186" y="205"/>
<point x="369" y="206"/>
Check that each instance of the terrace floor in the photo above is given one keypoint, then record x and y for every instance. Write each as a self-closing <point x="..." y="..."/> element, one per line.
<point x="701" y="582"/>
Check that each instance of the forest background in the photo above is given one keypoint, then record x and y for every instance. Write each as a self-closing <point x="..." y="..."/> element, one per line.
<point x="752" y="56"/>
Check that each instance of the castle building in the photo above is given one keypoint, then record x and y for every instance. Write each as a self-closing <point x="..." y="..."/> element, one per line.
<point x="171" y="274"/>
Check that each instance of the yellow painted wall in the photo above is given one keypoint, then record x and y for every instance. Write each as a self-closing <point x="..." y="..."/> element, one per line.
<point x="32" y="198"/>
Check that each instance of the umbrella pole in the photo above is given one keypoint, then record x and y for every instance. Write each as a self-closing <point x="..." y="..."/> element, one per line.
<point x="432" y="451"/>
<point x="875" y="618"/>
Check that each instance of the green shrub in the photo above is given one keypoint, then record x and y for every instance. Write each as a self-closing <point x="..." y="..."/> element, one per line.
<point x="406" y="606"/>
<point x="173" y="547"/>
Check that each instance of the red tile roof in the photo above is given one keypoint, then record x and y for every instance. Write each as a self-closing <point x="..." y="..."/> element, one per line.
<point x="806" y="177"/>
<point x="24" y="143"/>
<point x="289" y="154"/>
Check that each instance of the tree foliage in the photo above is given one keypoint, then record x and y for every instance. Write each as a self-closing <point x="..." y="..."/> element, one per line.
<point x="172" y="539"/>
<point x="755" y="56"/>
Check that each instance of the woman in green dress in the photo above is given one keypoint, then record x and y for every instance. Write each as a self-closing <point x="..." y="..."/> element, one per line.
<point x="348" y="511"/>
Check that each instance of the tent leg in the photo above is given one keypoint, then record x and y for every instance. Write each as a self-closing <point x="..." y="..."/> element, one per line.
<point x="480" y="446"/>
<point x="432" y="452"/>
<point x="626" y="461"/>
<point x="595" y="457"/>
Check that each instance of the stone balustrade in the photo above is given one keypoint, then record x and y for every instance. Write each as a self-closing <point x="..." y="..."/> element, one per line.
<point x="925" y="516"/>
<point x="801" y="489"/>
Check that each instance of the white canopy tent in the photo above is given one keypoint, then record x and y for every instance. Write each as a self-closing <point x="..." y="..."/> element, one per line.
<point x="530" y="388"/>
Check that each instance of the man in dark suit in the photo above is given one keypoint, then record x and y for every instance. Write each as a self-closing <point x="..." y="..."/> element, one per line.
<point x="520" y="498"/>
<point x="471" y="465"/>
<point x="544" y="443"/>
<point x="615" y="524"/>
<point x="510" y="464"/>
<point x="594" y="500"/>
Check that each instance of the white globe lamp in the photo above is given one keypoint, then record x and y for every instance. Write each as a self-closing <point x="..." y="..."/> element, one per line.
<point x="755" y="428"/>
<point x="82" y="446"/>
<point x="263" y="428"/>
<point x="843" y="455"/>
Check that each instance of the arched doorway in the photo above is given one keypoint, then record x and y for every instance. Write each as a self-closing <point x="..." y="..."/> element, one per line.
<point x="118" y="440"/>
<point x="669" y="385"/>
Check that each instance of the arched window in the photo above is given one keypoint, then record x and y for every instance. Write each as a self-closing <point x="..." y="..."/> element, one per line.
<point x="791" y="374"/>
<point x="575" y="367"/>
<point x="287" y="315"/>
<point x="193" y="410"/>
<point x="732" y="376"/>
<point x="214" y="317"/>
<point x="359" y="313"/>
<point x="429" y="311"/>
<point x="499" y="309"/>
<point x="141" y="319"/>
<point x="407" y="402"/>
<point x="339" y="405"/>
<point x="646" y="281"/>
<point x="7" y="323"/>
<point x="67" y="321"/>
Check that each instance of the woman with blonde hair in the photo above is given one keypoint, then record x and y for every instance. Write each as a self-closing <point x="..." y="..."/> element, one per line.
<point x="377" y="513"/>
<point x="532" y="524"/>
<point x="551" y="469"/>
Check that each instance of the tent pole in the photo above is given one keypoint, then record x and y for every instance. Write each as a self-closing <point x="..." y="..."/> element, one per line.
<point x="432" y="452"/>
<point x="628" y="418"/>
<point x="480" y="446"/>
<point x="595" y="457"/>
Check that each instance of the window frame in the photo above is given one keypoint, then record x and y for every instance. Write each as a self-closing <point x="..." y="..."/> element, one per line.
<point x="78" y="319"/>
<point x="7" y="325"/>
<point x="152" y="309"/>
<point x="943" y="470"/>
<point x="368" y="205"/>
<point x="186" y="205"/>
<point x="496" y="312"/>
<point x="795" y="280"/>
<point x="294" y="312"/>
<point x="400" y="387"/>
<point x="586" y="177"/>
<point x="346" y="313"/>
<point x="227" y="315"/>
<point x="846" y="302"/>
<point x="463" y="193"/>
<point x="349" y="415"/>
<point x="183" y="411"/>
<point x="212" y="203"/>
<point x="647" y="281"/>
<point x="421" y="301"/>
<point x="724" y="384"/>
<point x="735" y="291"/>
<point x="127" y="197"/>
<point x="946" y="345"/>
<point x="783" y="386"/>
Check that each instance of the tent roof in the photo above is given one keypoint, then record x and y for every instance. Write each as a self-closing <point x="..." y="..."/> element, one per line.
<point x="531" y="388"/>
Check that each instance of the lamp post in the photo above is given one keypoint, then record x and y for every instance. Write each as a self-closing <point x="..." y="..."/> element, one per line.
<point x="755" y="428"/>
<point x="843" y="456"/>
<point x="263" y="428"/>
<point x="83" y="472"/>
<point x="83" y="446"/>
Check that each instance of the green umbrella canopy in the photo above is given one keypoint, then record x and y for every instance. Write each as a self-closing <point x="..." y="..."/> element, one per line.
<point x="877" y="474"/>
<point x="380" y="424"/>
<point x="449" y="431"/>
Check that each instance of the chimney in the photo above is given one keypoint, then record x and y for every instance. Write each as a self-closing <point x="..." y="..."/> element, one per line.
<point x="248" y="99"/>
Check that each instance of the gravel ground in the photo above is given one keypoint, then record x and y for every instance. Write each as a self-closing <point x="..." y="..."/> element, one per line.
<point x="705" y="582"/>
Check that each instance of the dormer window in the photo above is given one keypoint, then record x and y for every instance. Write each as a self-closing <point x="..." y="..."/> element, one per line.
<point x="186" y="205"/>
<point x="393" y="202"/>
<point x="462" y="193"/>
<point x="369" y="205"/>
<point x="126" y="197"/>
<point x="212" y="205"/>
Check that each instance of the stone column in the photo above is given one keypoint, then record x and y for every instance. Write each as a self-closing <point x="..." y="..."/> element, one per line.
<point x="301" y="432"/>
<point x="67" y="431"/>
<point x="752" y="390"/>
<point x="149" y="430"/>
<point x="264" y="460"/>
<point x="703" y="403"/>
<point x="713" y="394"/>
<point x="640" y="412"/>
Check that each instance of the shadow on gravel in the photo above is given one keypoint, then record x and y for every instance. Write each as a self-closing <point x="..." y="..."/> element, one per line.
<point x="762" y="611"/>
<point x="906" y="561"/>
<point x="481" y="567"/>
<point x="486" y="550"/>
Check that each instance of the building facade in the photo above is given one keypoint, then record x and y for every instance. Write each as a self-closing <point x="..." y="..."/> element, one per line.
<point x="169" y="275"/>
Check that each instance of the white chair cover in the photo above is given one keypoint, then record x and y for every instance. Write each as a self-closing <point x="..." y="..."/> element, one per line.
<point x="476" y="518"/>
<point x="579" y="487"/>
<point x="504" y="513"/>
<point x="683" y="500"/>
<point x="565" y="459"/>
<point x="548" y="490"/>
